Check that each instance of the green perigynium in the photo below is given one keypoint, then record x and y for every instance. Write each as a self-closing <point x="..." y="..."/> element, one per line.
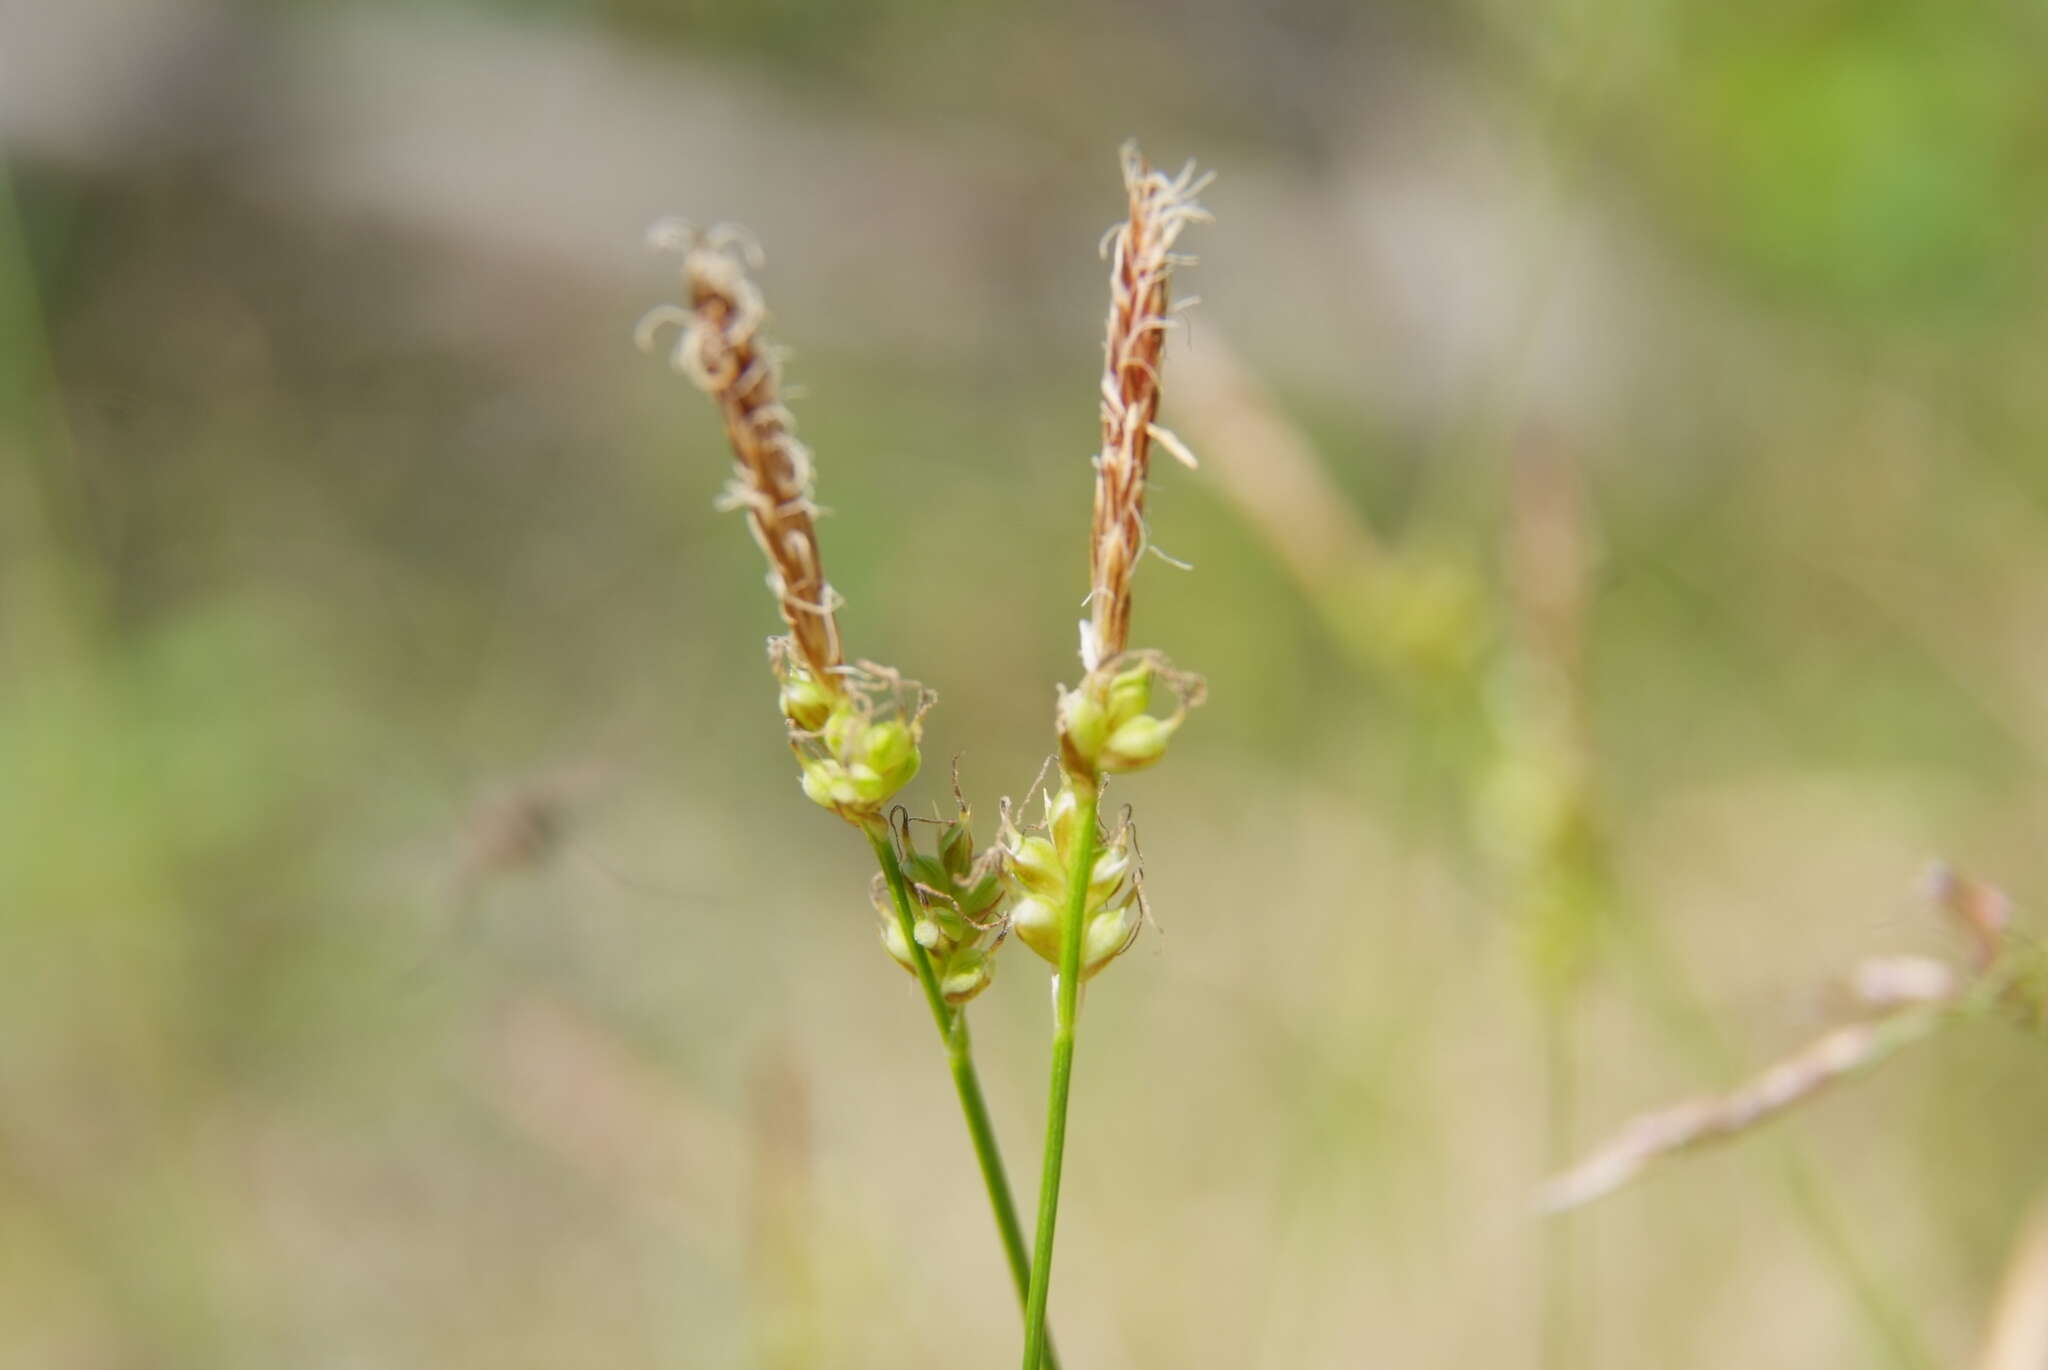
<point x="806" y="703"/>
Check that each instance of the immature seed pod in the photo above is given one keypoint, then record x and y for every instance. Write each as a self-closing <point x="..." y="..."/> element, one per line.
<point x="806" y="703"/>
<point x="979" y="899"/>
<point x="1130" y="693"/>
<point x="826" y="783"/>
<point x="966" y="974"/>
<point x="1113" y="866"/>
<point x="954" y="929"/>
<point x="1105" y="936"/>
<point x="842" y="726"/>
<point x="1138" y="743"/>
<point x="890" y="750"/>
<point x="865" y="789"/>
<point x="927" y="871"/>
<point x="893" y="942"/>
<point x="1110" y="933"/>
<point x="1062" y="820"/>
<point x="1084" y="727"/>
<point x="1034" y="866"/>
<point x="956" y="847"/>
<point x="1037" y="925"/>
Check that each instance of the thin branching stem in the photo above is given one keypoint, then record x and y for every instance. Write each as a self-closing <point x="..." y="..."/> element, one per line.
<point x="1067" y="1004"/>
<point x="952" y="1025"/>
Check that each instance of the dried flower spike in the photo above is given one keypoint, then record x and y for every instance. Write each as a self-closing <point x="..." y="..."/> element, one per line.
<point x="720" y="349"/>
<point x="857" y="744"/>
<point x="1682" y="1126"/>
<point x="1141" y="261"/>
<point x="1915" y="998"/>
<point x="855" y="729"/>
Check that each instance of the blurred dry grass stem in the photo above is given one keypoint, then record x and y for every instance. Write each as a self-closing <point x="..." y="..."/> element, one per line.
<point x="1912" y="1001"/>
<point x="1142" y="259"/>
<point x="1270" y="469"/>
<point x="720" y="349"/>
<point x="1405" y="609"/>
<point x="1797" y="1077"/>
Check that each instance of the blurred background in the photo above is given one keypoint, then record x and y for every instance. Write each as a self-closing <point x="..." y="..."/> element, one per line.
<point x="1620" y="567"/>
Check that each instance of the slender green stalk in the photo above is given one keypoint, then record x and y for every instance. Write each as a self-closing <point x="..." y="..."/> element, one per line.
<point x="952" y="1025"/>
<point x="1037" y="1349"/>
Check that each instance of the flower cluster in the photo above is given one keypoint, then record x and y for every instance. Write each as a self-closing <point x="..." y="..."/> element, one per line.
<point x="960" y="899"/>
<point x="1104" y="723"/>
<point x="1038" y="868"/>
<point x="857" y="743"/>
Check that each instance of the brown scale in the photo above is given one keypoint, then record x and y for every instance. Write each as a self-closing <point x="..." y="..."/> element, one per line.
<point x="1141" y="261"/>
<point x="772" y="479"/>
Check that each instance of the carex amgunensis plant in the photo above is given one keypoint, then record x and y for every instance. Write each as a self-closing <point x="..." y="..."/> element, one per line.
<point x="1079" y="891"/>
<point x="1069" y="886"/>
<point x="855" y="727"/>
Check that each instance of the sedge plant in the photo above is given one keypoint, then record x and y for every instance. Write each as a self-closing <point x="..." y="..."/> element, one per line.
<point x="855" y="727"/>
<point x="1069" y="886"/>
<point x="1080" y="899"/>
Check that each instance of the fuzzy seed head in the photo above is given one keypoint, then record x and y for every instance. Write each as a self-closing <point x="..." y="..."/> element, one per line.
<point x="957" y="920"/>
<point x="1141" y="260"/>
<point x="719" y="348"/>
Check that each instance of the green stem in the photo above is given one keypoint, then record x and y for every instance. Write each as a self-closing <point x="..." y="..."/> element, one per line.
<point x="952" y="1025"/>
<point x="1037" y="1351"/>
